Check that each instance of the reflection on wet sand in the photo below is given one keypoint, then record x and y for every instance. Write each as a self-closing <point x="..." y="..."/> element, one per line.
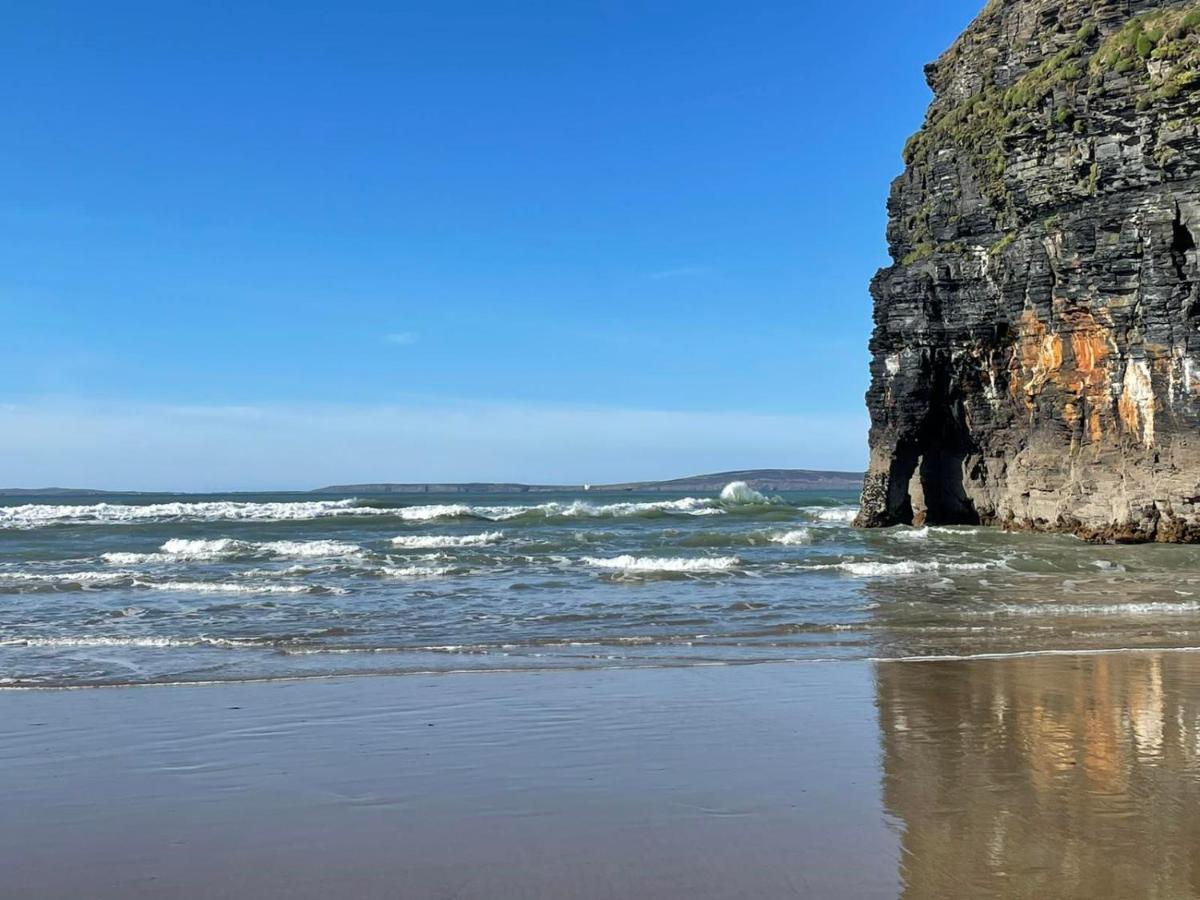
<point x="1044" y="777"/>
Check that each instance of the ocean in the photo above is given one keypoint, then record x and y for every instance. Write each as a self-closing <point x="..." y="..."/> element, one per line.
<point x="141" y="589"/>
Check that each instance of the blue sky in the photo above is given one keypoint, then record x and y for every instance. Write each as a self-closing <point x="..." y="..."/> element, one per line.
<point x="267" y="245"/>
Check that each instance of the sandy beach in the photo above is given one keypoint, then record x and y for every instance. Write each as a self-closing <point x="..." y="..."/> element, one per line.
<point x="1067" y="776"/>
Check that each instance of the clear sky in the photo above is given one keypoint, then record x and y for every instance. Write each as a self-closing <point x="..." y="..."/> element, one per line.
<point x="269" y="245"/>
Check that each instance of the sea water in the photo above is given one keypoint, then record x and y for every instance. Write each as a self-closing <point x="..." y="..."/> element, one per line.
<point x="141" y="589"/>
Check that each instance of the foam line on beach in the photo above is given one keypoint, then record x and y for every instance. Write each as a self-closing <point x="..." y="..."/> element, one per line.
<point x="1025" y="654"/>
<point x="609" y="667"/>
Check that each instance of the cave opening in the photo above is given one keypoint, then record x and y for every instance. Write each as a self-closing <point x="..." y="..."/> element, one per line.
<point x="938" y="486"/>
<point x="905" y="461"/>
<point x="929" y="472"/>
<point x="942" y="481"/>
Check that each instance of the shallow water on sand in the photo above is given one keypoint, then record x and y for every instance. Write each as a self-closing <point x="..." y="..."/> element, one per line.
<point x="148" y="589"/>
<point x="1024" y="777"/>
<point x="1044" y="777"/>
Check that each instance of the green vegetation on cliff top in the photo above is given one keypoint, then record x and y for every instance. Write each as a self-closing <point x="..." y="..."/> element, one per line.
<point x="1160" y="48"/>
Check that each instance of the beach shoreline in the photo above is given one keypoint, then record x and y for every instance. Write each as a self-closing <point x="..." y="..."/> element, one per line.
<point x="827" y="779"/>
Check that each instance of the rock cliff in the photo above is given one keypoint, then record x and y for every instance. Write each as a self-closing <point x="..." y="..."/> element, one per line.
<point x="1036" y="353"/>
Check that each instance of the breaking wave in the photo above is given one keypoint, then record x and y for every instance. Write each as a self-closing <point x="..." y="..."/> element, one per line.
<point x="837" y="514"/>
<point x="27" y="582"/>
<point x="443" y="541"/>
<point x="906" y="567"/>
<point x="41" y="515"/>
<point x="545" y="580"/>
<point x="787" y="537"/>
<point x="738" y="493"/>
<point x="82" y="580"/>
<point x="649" y="564"/>
<point x="734" y="497"/>
<point x="415" y="571"/>
<point x="792" y="538"/>
<point x="148" y="642"/>
<point x="216" y="587"/>
<point x="227" y="548"/>
<point x="578" y="509"/>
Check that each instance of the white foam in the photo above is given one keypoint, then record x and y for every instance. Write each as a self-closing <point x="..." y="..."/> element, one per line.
<point x="555" y="510"/>
<point x="227" y="548"/>
<point x="444" y="511"/>
<point x="33" y="515"/>
<point x="216" y="587"/>
<point x="793" y="537"/>
<point x="309" y="549"/>
<point x="438" y="541"/>
<point x="38" y="515"/>
<point x="149" y="642"/>
<point x="1147" y="608"/>
<point x="84" y="579"/>
<point x="910" y="534"/>
<point x="415" y="571"/>
<point x="738" y="493"/>
<point x="203" y="549"/>
<point x="130" y="559"/>
<point x="840" y="514"/>
<point x="137" y="580"/>
<point x="1023" y="654"/>
<point x="629" y="563"/>
<point x="909" y="567"/>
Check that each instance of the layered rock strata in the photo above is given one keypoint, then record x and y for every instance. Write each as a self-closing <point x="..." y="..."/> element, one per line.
<point x="1036" y="353"/>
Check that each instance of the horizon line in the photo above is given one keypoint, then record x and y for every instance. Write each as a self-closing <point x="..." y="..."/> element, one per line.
<point x="425" y="486"/>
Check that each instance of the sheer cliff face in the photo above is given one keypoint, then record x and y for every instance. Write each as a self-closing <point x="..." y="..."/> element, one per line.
<point x="1036" y="354"/>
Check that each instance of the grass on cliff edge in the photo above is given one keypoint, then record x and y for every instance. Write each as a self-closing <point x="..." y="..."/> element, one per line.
<point x="1161" y="47"/>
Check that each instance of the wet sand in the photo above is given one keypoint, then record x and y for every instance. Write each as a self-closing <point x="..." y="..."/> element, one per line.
<point x="1023" y="777"/>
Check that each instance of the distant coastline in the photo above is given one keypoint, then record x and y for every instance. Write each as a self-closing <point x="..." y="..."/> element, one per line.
<point x="759" y="479"/>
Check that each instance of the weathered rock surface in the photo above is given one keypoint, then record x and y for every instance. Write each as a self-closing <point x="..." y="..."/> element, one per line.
<point x="1036" y="354"/>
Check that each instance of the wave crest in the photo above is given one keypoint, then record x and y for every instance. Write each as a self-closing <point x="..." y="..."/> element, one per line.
<point x="415" y="571"/>
<point x="840" y="515"/>
<point x="38" y="515"/>
<point x="651" y="564"/>
<point x="792" y="538"/>
<point x="40" y="582"/>
<point x="738" y="493"/>
<point x="443" y="541"/>
<point x="909" y="567"/>
<point x="201" y="550"/>
<point x="578" y="509"/>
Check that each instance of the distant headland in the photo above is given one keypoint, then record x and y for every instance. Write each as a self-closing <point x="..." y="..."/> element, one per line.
<point x="759" y="479"/>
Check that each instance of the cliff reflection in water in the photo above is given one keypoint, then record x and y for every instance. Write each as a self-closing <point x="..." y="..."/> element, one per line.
<point x="1045" y="777"/>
